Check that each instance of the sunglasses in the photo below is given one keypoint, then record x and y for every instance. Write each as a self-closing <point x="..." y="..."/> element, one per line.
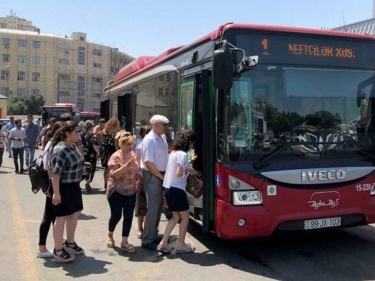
<point x="127" y="134"/>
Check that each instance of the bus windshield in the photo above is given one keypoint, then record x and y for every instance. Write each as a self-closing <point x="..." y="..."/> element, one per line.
<point x="57" y="110"/>
<point x="309" y="95"/>
<point x="311" y="110"/>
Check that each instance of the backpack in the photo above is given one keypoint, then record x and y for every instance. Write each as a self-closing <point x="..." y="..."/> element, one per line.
<point x="38" y="176"/>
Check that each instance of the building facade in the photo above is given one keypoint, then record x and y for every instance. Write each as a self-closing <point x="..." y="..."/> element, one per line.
<point x="60" y="68"/>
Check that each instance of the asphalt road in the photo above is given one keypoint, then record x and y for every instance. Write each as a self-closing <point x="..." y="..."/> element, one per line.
<point x="344" y="255"/>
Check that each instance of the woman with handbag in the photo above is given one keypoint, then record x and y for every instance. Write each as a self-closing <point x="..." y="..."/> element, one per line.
<point x="67" y="169"/>
<point x="175" y="193"/>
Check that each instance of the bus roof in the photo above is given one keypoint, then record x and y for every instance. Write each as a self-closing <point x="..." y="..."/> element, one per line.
<point x="61" y="105"/>
<point x="89" y="113"/>
<point x="144" y="63"/>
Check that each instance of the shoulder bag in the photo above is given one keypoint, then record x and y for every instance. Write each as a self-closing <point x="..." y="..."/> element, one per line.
<point x="38" y="176"/>
<point x="194" y="185"/>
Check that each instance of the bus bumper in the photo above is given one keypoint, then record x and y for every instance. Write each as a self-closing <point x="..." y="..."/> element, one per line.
<point x="238" y="222"/>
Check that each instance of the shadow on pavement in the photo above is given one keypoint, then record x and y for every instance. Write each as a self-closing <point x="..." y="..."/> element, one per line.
<point x="79" y="267"/>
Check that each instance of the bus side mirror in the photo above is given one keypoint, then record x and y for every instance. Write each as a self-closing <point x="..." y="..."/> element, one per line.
<point x="222" y="67"/>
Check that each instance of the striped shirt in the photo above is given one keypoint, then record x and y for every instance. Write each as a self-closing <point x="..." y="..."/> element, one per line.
<point x="68" y="162"/>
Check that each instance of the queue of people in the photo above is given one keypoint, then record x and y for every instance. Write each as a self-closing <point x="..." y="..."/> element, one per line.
<point x="140" y="176"/>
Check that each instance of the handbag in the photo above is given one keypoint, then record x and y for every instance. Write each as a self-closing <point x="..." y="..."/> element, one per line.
<point x="194" y="185"/>
<point x="38" y="176"/>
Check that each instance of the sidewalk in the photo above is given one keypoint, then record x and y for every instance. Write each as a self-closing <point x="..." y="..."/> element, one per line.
<point x="21" y="215"/>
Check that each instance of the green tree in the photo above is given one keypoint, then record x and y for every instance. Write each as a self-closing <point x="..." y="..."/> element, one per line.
<point x="34" y="103"/>
<point x="25" y="105"/>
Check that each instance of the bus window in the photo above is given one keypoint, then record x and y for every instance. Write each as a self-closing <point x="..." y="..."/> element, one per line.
<point x="186" y="105"/>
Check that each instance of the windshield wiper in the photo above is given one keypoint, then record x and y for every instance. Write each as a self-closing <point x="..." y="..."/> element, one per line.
<point x="265" y="161"/>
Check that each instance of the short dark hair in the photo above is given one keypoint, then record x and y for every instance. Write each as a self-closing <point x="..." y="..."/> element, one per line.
<point x="30" y="115"/>
<point x="65" y="117"/>
<point x="144" y="131"/>
<point x="191" y="135"/>
<point x="181" y="142"/>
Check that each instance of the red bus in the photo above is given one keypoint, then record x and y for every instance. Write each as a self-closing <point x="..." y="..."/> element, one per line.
<point x="57" y="109"/>
<point x="284" y="123"/>
<point x="89" y="115"/>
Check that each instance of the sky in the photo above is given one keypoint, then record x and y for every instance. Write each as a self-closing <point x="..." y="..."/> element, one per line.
<point x="150" y="27"/>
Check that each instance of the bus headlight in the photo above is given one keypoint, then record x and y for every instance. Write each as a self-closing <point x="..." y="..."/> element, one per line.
<point x="249" y="197"/>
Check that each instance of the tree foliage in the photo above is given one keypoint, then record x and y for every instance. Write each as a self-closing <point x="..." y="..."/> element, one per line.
<point x="25" y="105"/>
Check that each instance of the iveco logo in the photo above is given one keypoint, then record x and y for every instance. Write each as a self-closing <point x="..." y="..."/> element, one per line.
<point x="328" y="175"/>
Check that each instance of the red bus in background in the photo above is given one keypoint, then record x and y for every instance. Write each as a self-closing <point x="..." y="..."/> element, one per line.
<point x="57" y="109"/>
<point x="89" y="115"/>
<point x="284" y="124"/>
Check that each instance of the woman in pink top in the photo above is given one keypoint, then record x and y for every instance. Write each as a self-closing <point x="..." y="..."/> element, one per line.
<point x="121" y="188"/>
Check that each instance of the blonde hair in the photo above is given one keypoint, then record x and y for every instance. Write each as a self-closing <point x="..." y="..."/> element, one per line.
<point x="88" y="124"/>
<point x="123" y="136"/>
<point x="112" y="126"/>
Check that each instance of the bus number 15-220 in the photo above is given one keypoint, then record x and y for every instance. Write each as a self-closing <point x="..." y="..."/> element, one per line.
<point x="363" y="187"/>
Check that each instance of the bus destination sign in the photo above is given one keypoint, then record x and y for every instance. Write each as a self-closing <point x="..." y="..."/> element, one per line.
<point x="305" y="49"/>
<point x="321" y="51"/>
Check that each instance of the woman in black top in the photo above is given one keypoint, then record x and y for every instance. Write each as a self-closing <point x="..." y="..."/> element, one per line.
<point x="90" y="150"/>
<point x="108" y="145"/>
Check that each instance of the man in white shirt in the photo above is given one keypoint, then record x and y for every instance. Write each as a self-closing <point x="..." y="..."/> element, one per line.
<point x="18" y="137"/>
<point x="154" y="161"/>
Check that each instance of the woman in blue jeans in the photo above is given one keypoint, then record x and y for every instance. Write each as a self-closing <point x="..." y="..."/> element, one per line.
<point x="2" y="144"/>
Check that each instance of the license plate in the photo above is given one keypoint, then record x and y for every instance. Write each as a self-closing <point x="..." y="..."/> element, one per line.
<point x="322" y="223"/>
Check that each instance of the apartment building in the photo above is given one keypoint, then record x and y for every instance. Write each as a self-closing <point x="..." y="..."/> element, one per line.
<point x="60" y="68"/>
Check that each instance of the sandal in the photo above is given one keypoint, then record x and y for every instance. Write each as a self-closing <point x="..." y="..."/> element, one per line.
<point x="128" y="247"/>
<point x="110" y="242"/>
<point x="73" y="248"/>
<point x="185" y="250"/>
<point x="164" y="250"/>
<point x="63" y="257"/>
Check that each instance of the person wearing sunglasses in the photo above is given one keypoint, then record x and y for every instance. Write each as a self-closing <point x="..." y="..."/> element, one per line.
<point x="121" y="188"/>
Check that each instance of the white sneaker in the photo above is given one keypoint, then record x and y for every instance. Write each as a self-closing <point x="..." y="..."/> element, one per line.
<point x="45" y="255"/>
